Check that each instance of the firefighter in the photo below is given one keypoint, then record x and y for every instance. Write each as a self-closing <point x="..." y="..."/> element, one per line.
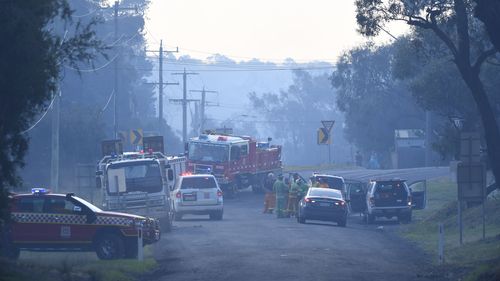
<point x="270" y="196"/>
<point x="293" y="196"/>
<point x="303" y="188"/>
<point x="281" y="191"/>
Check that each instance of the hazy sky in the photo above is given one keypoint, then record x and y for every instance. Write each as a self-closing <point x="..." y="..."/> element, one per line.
<point x="267" y="29"/>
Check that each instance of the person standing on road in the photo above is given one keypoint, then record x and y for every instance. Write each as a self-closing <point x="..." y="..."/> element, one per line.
<point x="269" y="197"/>
<point x="303" y="188"/>
<point x="293" y="195"/>
<point x="281" y="191"/>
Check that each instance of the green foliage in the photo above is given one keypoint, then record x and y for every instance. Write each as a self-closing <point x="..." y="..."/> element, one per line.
<point x="294" y="115"/>
<point x="31" y="58"/>
<point x="374" y="102"/>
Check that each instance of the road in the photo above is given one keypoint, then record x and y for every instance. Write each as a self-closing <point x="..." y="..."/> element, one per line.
<point x="249" y="245"/>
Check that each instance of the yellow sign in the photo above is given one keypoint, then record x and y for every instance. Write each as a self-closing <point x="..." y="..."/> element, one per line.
<point x="324" y="136"/>
<point x="136" y="137"/>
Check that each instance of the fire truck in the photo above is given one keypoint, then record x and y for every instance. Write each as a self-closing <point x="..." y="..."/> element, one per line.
<point x="236" y="161"/>
<point x="139" y="182"/>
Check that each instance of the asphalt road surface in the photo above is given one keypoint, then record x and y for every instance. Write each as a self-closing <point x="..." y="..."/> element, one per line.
<point x="249" y="245"/>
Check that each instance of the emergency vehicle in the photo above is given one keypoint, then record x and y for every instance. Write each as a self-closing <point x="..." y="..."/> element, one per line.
<point x="139" y="182"/>
<point x="236" y="161"/>
<point x="42" y="221"/>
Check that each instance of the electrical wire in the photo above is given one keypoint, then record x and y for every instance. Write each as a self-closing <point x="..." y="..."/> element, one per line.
<point x="93" y="69"/>
<point x="43" y="115"/>
<point x="109" y="100"/>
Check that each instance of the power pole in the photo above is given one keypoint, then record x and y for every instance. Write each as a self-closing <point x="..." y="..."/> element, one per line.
<point x="161" y="83"/>
<point x="116" y="9"/>
<point x="54" y="163"/>
<point x="184" y="102"/>
<point x="203" y="104"/>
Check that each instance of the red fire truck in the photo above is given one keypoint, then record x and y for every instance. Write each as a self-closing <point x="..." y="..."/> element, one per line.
<point x="236" y="161"/>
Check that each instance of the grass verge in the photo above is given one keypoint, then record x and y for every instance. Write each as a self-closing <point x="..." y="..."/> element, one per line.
<point x="476" y="259"/>
<point x="73" y="267"/>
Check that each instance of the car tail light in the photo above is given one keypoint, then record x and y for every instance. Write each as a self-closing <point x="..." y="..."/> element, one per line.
<point x="219" y="193"/>
<point x="342" y="203"/>
<point x="307" y="200"/>
<point x="178" y="194"/>
<point x="409" y="200"/>
<point x="372" y="201"/>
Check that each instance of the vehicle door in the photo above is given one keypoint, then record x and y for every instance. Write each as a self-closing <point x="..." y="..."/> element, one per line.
<point x="356" y="193"/>
<point x="199" y="191"/>
<point x="69" y="222"/>
<point x="418" y="191"/>
<point x="28" y="220"/>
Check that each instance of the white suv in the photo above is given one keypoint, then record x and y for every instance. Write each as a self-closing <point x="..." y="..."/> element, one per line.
<point x="198" y="195"/>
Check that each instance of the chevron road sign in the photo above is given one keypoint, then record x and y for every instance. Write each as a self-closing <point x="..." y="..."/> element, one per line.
<point x="136" y="137"/>
<point x="324" y="136"/>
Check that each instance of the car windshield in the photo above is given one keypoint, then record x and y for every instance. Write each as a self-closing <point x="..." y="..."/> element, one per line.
<point x="333" y="182"/>
<point x="198" y="183"/>
<point x="87" y="204"/>
<point x="321" y="192"/>
<point x="396" y="189"/>
<point x="141" y="176"/>
<point x="208" y="152"/>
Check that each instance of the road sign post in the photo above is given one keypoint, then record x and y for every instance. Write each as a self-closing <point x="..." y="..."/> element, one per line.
<point x="324" y="136"/>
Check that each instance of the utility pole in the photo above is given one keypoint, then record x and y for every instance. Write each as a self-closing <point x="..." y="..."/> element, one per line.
<point x="116" y="9"/>
<point x="161" y="83"/>
<point x="54" y="163"/>
<point x="184" y="102"/>
<point x="203" y="104"/>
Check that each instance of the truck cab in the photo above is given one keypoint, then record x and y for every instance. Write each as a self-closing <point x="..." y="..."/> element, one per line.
<point x="140" y="183"/>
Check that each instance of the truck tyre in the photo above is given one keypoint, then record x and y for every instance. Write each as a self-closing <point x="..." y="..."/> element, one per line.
<point x="370" y="219"/>
<point x="216" y="216"/>
<point x="166" y="224"/>
<point x="178" y="216"/>
<point x="131" y="250"/>
<point x="109" y="246"/>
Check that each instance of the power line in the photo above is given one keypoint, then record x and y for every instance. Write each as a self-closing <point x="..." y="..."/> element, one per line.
<point x="93" y="69"/>
<point x="41" y="118"/>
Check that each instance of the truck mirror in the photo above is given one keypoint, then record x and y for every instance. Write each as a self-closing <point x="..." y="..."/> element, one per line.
<point x="170" y="174"/>
<point x="98" y="182"/>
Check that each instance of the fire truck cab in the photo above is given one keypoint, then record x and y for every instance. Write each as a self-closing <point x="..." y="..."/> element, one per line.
<point x="237" y="162"/>
<point x="140" y="182"/>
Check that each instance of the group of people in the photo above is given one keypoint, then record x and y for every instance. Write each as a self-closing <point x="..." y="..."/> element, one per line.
<point x="283" y="196"/>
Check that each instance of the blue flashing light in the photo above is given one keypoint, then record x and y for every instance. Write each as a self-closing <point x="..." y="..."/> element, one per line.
<point x="39" y="191"/>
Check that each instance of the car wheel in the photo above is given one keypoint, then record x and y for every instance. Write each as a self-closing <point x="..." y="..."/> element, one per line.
<point x="178" y="216"/>
<point x="131" y="250"/>
<point x="11" y="251"/>
<point x="109" y="246"/>
<point x="301" y="219"/>
<point x="216" y="215"/>
<point x="342" y="222"/>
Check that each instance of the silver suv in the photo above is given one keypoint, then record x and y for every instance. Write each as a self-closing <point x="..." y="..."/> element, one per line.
<point x="388" y="198"/>
<point x="198" y="195"/>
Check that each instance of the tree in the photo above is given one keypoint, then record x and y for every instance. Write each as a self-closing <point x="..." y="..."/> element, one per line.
<point x="375" y="104"/>
<point x="31" y="58"/>
<point x="451" y="21"/>
<point x="294" y="115"/>
<point x="488" y="11"/>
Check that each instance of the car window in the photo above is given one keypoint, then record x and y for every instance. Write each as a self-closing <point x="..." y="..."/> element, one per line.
<point x="321" y="192"/>
<point x="59" y="206"/>
<point x="198" y="183"/>
<point x="30" y="205"/>
<point x="333" y="182"/>
<point x="397" y="189"/>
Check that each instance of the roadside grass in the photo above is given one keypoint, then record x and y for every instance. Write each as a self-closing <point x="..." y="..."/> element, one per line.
<point x="477" y="255"/>
<point x="74" y="266"/>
